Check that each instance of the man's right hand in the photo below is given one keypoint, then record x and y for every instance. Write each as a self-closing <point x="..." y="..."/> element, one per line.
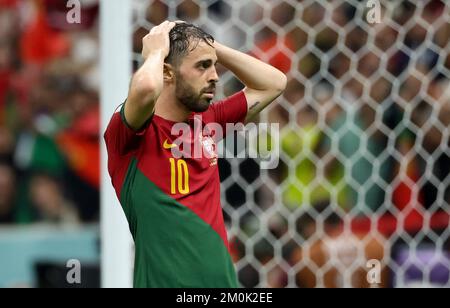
<point x="148" y="81"/>
<point x="157" y="40"/>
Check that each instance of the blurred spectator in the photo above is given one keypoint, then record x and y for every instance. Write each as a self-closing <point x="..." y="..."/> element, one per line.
<point x="341" y="255"/>
<point x="47" y="197"/>
<point x="39" y="42"/>
<point x="7" y="193"/>
<point x="406" y="196"/>
<point x="6" y="144"/>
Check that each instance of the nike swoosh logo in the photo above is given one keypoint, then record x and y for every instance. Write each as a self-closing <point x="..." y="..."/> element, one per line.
<point x="168" y="145"/>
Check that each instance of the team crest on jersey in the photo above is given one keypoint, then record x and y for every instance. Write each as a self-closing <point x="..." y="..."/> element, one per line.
<point x="210" y="150"/>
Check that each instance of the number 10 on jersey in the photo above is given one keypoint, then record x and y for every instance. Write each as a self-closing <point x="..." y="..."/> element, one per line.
<point x="179" y="177"/>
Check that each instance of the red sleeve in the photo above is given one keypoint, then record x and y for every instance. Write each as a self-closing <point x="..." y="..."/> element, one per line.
<point x="120" y="139"/>
<point x="233" y="110"/>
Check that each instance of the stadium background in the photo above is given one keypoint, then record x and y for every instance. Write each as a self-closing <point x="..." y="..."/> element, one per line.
<point x="364" y="164"/>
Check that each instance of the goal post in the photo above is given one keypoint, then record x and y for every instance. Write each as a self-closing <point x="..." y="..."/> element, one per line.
<point x="116" y="242"/>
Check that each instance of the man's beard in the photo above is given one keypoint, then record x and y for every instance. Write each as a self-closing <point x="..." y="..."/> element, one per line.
<point x="193" y="101"/>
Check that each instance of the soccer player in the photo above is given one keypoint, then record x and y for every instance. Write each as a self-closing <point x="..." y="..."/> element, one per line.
<point x="172" y="204"/>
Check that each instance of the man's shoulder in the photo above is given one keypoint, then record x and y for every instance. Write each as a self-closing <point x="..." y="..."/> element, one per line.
<point x="113" y="123"/>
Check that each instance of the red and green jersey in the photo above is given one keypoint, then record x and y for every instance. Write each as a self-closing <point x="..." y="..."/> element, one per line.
<point x="173" y="204"/>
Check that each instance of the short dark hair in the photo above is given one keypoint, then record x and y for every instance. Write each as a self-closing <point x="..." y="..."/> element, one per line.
<point x="185" y="37"/>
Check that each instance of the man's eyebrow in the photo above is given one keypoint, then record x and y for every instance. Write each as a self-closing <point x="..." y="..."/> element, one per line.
<point x="207" y="61"/>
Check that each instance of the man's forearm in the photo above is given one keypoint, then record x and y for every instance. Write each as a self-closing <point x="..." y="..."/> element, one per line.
<point x="145" y="88"/>
<point x="148" y="80"/>
<point x="252" y="72"/>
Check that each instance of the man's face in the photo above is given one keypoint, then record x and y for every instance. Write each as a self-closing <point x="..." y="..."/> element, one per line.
<point x="196" y="78"/>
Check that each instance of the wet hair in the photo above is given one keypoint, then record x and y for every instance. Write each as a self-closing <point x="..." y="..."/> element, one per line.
<point x="184" y="38"/>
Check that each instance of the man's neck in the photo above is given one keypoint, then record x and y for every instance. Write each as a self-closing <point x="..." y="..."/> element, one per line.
<point x="168" y="107"/>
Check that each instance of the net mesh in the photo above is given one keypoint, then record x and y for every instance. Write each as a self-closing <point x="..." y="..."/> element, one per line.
<point x="361" y="194"/>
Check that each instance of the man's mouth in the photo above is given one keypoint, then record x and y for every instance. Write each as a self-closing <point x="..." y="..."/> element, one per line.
<point x="209" y="92"/>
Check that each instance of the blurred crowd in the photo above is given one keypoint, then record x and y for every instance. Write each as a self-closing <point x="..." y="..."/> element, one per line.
<point x="364" y="169"/>
<point x="49" y="113"/>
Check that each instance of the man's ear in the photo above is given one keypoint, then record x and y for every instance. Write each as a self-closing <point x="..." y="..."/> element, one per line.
<point x="168" y="72"/>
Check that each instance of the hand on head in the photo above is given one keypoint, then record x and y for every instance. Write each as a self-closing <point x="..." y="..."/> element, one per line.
<point x="157" y="40"/>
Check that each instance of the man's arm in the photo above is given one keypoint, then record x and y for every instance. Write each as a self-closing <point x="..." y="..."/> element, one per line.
<point x="263" y="83"/>
<point x="147" y="83"/>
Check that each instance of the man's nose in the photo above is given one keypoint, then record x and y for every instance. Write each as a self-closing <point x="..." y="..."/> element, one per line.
<point x="214" y="77"/>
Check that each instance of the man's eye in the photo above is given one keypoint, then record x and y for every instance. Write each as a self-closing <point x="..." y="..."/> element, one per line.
<point x="204" y="65"/>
